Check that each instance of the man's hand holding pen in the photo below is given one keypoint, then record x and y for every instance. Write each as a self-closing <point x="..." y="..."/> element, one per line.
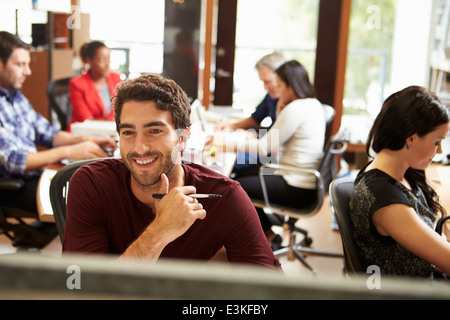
<point x="176" y="211"/>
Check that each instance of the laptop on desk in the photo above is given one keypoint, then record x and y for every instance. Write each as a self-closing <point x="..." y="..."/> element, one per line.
<point x="199" y="134"/>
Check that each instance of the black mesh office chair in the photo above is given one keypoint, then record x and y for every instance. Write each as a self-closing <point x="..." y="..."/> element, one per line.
<point x="341" y="191"/>
<point x="60" y="107"/>
<point x="59" y="187"/>
<point x="32" y="235"/>
<point x="289" y="216"/>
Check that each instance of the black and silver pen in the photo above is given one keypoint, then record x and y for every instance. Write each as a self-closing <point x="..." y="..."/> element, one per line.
<point x="192" y="195"/>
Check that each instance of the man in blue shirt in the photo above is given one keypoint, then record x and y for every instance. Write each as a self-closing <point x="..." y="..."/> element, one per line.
<point x="22" y="130"/>
<point x="266" y="67"/>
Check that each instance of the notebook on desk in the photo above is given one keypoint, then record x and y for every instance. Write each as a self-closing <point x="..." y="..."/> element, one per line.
<point x="44" y="187"/>
<point x="99" y="128"/>
<point x="198" y="113"/>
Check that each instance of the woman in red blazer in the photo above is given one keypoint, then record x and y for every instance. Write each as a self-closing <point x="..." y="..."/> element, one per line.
<point x="90" y="93"/>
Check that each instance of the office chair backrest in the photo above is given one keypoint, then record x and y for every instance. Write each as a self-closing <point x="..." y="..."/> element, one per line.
<point x="328" y="167"/>
<point x="325" y="174"/>
<point x="329" y="113"/>
<point x="60" y="107"/>
<point x="329" y="116"/>
<point x="23" y="234"/>
<point x="59" y="188"/>
<point x="341" y="191"/>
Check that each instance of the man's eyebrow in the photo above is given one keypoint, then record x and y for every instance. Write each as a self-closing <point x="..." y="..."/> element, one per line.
<point x="155" y="124"/>
<point x="147" y="125"/>
<point x="125" y="126"/>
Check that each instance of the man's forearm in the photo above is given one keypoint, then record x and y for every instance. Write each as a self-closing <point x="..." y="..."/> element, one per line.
<point x="146" y="246"/>
<point x="40" y="159"/>
<point x="64" y="138"/>
<point x="245" y="124"/>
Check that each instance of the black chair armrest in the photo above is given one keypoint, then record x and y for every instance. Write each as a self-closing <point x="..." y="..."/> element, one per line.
<point x="273" y="169"/>
<point x="440" y="224"/>
<point x="12" y="184"/>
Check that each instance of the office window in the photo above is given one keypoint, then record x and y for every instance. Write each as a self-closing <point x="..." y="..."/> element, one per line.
<point x="287" y="26"/>
<point x="369" y="58"/>
<point x="27" y="14"/>
<point x="135" y="25"/>
<point x="369" y="55"/>
<point x="388" y="50"/>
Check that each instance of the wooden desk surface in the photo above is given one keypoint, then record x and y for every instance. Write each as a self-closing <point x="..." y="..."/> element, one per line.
<point x="439" y="177"/>
<point x="356" y="147"/>
<point x="44" y="206"/>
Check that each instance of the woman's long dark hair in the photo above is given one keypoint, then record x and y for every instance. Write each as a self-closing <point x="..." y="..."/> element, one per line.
<point x="413" y="110"/>
<point x="294" y="75"/>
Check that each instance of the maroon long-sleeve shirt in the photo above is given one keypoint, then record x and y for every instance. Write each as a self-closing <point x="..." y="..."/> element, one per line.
<point x="103" y="216"/>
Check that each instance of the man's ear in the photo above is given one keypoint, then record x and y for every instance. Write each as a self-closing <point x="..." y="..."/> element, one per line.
<point x="183" y="138"/>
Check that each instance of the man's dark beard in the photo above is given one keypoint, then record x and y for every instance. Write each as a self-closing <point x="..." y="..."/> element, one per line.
<point x="166" y="169"/>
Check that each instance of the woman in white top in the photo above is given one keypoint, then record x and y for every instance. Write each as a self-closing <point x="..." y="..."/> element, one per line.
<point x="296" y="137"/>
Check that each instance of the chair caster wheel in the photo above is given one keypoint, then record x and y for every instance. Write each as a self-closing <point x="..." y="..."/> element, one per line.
<point x="307" y="242"/>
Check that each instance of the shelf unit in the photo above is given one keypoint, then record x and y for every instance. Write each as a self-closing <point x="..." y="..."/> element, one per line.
<point x="54" y="58"/>
<point x="440" y="51"/>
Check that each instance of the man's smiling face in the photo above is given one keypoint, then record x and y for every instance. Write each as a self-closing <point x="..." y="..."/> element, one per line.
<point x="149" y="143"/>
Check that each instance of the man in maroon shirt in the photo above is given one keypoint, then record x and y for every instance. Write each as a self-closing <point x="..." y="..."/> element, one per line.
<point x="111" y="208"/>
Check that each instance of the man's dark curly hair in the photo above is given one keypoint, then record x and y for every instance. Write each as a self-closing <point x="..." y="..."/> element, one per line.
<point x="164" y="92"/>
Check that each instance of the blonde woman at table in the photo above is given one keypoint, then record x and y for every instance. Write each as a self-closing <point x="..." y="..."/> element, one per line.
<point x="393" y="209"/>
<point x="297" y="136"/>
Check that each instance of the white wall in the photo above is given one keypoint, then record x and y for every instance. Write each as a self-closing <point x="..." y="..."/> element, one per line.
<point x="8" y="9"/>
<point x="410" y="52"/>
